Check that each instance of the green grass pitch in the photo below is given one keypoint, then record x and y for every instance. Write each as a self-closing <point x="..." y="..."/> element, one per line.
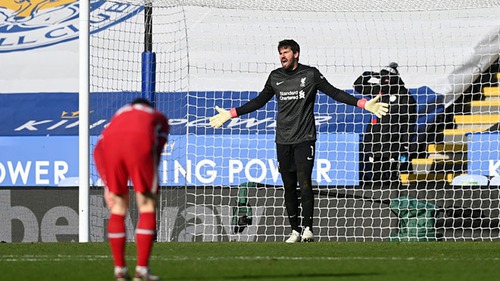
<point x="260" y="261"/>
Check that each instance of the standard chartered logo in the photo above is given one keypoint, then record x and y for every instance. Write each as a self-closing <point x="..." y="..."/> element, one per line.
<point x="292" y="95"/>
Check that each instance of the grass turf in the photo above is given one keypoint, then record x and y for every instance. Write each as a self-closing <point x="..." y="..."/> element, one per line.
<point x="260" y="261"/>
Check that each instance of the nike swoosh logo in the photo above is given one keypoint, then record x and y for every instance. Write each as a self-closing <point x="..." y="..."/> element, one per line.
<point x="309" y="158"/>
<point x="279" y="83"/>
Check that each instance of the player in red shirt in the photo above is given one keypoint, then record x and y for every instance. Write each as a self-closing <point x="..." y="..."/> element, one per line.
<point x="130" y="148"/>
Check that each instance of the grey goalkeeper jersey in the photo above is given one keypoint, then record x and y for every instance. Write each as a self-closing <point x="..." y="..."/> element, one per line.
<point x="295" y="92"/>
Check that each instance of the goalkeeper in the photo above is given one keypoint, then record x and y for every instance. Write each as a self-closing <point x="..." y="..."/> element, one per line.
<point x="295" y="86"/>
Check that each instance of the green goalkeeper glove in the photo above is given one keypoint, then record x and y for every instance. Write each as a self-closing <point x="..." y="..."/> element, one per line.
<point x="223" y="116"/>
<point x="378" y="108"/>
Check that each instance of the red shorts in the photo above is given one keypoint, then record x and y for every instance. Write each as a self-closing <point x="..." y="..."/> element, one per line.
<point x="133" y="157"/>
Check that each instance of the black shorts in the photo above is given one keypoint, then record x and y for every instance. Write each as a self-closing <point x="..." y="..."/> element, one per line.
<point x="296" y="156"/>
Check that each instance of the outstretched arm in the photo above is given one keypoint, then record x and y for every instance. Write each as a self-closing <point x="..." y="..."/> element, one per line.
<point x="378" y="108"/>
<point x="225" y="115"/>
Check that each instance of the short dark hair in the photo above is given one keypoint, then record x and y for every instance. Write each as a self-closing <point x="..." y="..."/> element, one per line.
<point x="142" y="101"/>
<point x="289" y="43"/>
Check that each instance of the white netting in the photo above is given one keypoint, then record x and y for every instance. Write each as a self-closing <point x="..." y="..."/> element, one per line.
<point x="325" y="6"/>
<point x="220" y="53"/>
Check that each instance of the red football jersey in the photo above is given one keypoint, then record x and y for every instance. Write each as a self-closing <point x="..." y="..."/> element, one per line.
<point x="139" y="119"/>
<point x="130" y="148"/>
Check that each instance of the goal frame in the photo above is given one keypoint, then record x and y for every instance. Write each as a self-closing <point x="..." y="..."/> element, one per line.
<point x="148" y="91"/>
<point x="83" y="119"/>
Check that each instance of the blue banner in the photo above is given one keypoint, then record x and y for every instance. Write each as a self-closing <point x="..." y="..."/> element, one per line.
<point x="56" y="114"/>
<point x="219" y="160"/>
<point x="39" y="137"/>
<point x="232" y="160"/>
<point x="37" y="161"/>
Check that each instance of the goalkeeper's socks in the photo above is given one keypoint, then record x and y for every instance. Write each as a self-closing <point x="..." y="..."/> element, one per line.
<point x="117" y="238"/>
<point x="144" y="236"/>
<point x="294" y="223"/>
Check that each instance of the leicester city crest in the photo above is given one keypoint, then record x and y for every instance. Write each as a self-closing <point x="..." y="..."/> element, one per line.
<point x="30" y="24"/>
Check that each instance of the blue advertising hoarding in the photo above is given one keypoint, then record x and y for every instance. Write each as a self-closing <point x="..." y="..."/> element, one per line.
<point x="483" y="154"/>
<point x="39" y="143"/>
<point x="190" y="160"/>
<point x="37" y="161"/>
<point x="56" y="114"/>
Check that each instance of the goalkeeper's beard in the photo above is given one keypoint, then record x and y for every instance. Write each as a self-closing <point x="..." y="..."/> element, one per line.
<point x="288" y="64"/>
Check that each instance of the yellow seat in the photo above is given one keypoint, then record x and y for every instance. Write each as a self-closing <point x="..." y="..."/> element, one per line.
<point x="477" y="119"/>
<point x="485" y="103"/>
<point x="491" y="91"/>
<point x="458" y="135"/>
<point x="446" y="147"/>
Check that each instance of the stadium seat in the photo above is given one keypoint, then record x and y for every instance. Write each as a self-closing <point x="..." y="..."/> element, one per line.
<point x="69" y="182"/>
<point x="476" y="121"/>
<point x="495" y="181"/>
<point x="458" y="135"/>
<point x="99" y="182"/>
<point x="470" y="180"/>
<point x="480" y="106"/>
<point x="491" y="93"/>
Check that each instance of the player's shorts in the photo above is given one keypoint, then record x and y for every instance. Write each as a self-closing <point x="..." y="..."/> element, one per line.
<point x="121" y="159"/>
<point x="296" y="156"/>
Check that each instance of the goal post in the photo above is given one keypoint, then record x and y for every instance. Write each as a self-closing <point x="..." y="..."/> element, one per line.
<point x="434" y="177"/>
<point x="83" y="120"/>
<point x="148" y="57"/>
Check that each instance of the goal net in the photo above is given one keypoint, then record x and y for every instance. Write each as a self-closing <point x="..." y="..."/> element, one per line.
<point x="427" y="172"/>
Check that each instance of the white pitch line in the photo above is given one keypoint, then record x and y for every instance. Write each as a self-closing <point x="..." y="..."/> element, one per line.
<point x="63" y="258"/>
<point x="16" y="258"/>
<point x="287" y="258"/>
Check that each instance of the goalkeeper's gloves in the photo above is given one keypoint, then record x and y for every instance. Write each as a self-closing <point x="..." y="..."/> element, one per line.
<point x="223" y="116"/>
<point x="378" y="108"/>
